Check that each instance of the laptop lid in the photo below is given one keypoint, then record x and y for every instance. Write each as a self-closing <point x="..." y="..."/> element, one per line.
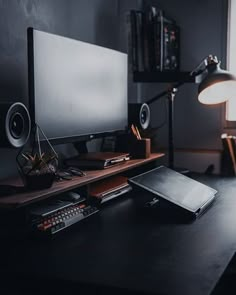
<point x="175" y="187"/>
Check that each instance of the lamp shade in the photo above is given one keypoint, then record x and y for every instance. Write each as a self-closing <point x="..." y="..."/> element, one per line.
<point x="218" y="86"/>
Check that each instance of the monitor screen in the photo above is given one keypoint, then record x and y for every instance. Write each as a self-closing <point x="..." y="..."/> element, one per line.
<point x="76" y="89"/>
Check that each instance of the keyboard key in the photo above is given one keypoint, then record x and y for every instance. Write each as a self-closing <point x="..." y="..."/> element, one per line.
<point x="64" y="218"/>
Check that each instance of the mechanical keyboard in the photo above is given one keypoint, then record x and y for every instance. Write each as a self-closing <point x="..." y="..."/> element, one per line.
<point x="58" y="220"/>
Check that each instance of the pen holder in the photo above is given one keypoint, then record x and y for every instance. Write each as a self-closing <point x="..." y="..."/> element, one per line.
<point x="141" y="148"/>
<point x="138" y="148"/>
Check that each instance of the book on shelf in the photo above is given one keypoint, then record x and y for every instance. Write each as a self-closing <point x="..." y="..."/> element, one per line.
<point x="97" y="160"/>
<point x="136" y="40"/>
<point x="109" y="188"/>
<point x="147" y="37"/>
<point x="153" y="41"/>
<point x="132" y="41"/>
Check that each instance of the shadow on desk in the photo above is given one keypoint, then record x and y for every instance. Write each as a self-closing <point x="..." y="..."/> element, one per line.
<point x="227" y="283"/>
<point x="42" y="286"/>
<point x="162" y="212"/>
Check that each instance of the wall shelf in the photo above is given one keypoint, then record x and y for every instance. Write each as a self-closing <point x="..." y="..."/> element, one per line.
<point x="163" y="77"/>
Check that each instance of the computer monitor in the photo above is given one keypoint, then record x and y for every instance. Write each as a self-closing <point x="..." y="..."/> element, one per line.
<point x="77" y="90"/>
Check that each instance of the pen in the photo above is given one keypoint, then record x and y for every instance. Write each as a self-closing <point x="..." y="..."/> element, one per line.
<point x="137" y="131"/>
<point x="134" y="131"/>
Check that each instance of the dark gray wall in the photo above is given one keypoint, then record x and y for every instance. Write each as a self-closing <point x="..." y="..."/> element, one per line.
<point x="15" y="17"/>
<point x="103" y="22"/>
<point x="203" y="32"/>
<point x="94" y="21"/>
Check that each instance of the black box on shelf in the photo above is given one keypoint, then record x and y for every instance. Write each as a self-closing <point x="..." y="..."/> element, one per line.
<point x="165" y="42"/>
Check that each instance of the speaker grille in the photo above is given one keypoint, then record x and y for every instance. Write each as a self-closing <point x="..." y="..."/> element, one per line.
<point x="15" y="124"/>
<point x="144" y="116"/>
<point x="139" y="114"/>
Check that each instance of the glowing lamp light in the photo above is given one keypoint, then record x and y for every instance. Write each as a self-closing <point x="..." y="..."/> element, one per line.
<point x="218" y="86"/>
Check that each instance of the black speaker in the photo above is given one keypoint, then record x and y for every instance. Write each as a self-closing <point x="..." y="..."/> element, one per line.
<point x="139" y="114"/>
<point x="15" y="124"/>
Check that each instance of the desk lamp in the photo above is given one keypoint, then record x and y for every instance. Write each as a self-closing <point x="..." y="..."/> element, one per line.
<point x="216" y="86"/>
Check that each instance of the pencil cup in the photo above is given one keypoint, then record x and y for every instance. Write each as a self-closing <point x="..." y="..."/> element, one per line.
<point x="138" y="148"/>
<point x="141" y="148"/>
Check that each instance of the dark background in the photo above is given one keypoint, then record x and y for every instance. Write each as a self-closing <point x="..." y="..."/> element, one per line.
<point x="103" y="22"/>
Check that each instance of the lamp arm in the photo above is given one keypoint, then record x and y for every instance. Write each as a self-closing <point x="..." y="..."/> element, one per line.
<point x="164" y="93"/>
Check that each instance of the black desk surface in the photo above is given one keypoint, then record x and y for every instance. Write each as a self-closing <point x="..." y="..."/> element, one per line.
<point x="121" y="248"/>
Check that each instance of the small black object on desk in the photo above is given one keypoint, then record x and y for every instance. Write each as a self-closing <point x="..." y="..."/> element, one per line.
<point x="71" y="196"/>
<point x="76" y="171"/>
<point x="63" y="175"/>
<point x="152" y="204"/>
<point x="69" y="172"/>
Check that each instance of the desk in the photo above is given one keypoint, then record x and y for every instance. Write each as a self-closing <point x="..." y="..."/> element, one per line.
<point x="120" y="251"/>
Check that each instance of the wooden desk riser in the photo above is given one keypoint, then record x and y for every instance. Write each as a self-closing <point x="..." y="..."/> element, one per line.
<point x="58" y="187"/>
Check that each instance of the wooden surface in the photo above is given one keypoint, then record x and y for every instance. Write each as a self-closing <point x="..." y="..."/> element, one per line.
<point x="22" y="199"/>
